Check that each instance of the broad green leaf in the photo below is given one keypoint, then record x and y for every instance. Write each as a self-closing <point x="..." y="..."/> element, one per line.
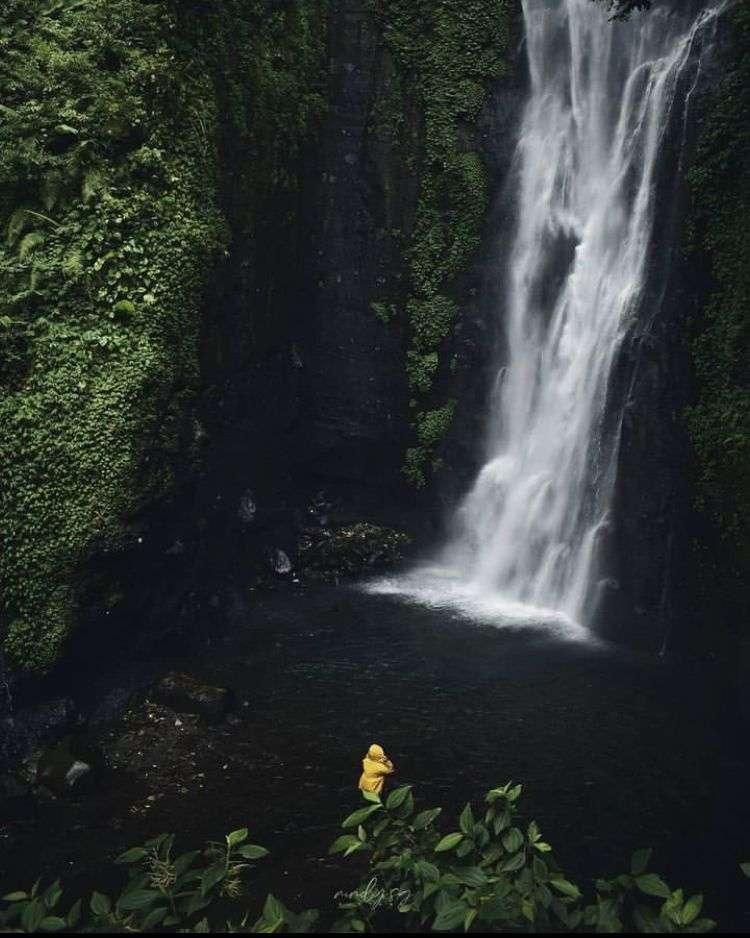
<point x="471" y="876"/>
<point x="501" y="822"/>
<point x="465" y="848"/>
<point x="51" y="895"/>
<point x="211" y="878"/>
<point x="372" y="796"/>
<point x="341" y="843"/>
<point x="235" y="837"/>
<point x="196" y="904"/>
<point x="252" y="852"/>
<point x="427" y="871"/>
<point x="640" y="861"/>
<point x="514" y="863"/>
<point x="450" y="916"/>
<point x="425" y="818"/>
<point x="273" y="910"/>
<point x="183" y="862"/>
<point x="132" y="856"/>
<point x="466" y="820"/>
<point x="449" y="842"/>
<point x="32" y="915"/>
<point x="566" y="888"/>
<point x="513" y="840"/>
<point x="360" y="815"/>
<point x="100" y="904"/>
<point x="653" y="885"/>
<point x="52" y="923"/>
<point x="692" y="909"/>
<point x="702" y="925"/>
<point x="153" y="918"/>
<point x="74" y="915"/>
<point x="137" y="899"/>
<point x="397" y="797"/>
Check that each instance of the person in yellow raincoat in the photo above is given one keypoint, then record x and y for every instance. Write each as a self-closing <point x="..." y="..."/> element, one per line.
<point x="375" y="766"/>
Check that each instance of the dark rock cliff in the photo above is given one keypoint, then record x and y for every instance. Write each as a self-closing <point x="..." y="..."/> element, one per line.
<point x="653" y="597"/>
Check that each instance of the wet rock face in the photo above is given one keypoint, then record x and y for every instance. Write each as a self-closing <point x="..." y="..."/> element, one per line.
<point x="22" y="730"/>
<point x="652" y="597"/>
<point x="184" y="693"/>
<point x="356" y="396"/>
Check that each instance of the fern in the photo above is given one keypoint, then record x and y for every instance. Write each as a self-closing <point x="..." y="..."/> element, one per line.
<point x="72" y="266"/>
<point x="16" y="224"/>
<point x="52" y="187"/>
<point x="93" y="182"/>
<point x="29" y="243"/>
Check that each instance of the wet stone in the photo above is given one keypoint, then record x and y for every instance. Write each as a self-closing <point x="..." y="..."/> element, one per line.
<point x="63" y="768"/>
<point x="186" y="694"/>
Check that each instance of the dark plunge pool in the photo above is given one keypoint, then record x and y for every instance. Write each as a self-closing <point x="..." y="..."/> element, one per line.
<point x="615" y="751"/>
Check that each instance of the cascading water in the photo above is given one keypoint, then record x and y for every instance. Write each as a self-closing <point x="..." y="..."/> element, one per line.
<point x="601" y="99"/>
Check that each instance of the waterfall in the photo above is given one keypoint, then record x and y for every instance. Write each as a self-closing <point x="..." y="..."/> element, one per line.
<point x="601" y="98"/>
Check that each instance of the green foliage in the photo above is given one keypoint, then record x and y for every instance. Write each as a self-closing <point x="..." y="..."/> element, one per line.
<point x="347" y="551"/>
<point x="384" y="311"/>
<point x="163" y="893"/>
<point x="719" y="421"/>
<point x="445" y="54"/>
<point x="110" y="191"/>
<point x="492" y="873"/>
<point x="431" y="427"/>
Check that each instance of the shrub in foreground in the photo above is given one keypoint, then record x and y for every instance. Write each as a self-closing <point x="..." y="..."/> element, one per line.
<point x="492" y="873"/>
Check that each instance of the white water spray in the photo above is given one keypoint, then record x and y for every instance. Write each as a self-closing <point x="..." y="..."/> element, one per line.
<point x="601" y="99"/>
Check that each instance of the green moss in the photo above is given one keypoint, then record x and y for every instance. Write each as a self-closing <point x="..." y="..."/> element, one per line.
<point x="110" y="193"/>
<point x="431" y="426"/>
<point x="445" y="55"/>
<point x="350" y="551"/>
<point x="719" y="421"/>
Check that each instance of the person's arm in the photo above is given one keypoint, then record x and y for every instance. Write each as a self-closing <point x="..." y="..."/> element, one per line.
<point x="382" y="768"/>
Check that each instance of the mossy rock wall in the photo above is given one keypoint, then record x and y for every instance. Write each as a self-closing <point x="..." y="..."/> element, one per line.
<point x="112" y="187"/>
<point x="718" y="250"/>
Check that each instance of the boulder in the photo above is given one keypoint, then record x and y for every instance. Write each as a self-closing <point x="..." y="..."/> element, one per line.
<point x="350" y="551"/>
<point x="186" y="694"/>
<point x="64" y="767"/>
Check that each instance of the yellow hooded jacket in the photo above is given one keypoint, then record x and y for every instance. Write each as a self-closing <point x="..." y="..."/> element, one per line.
<point x="375" y="766"/>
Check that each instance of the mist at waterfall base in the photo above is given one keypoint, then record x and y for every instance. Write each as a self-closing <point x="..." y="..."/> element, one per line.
<point x="529" y="539"/>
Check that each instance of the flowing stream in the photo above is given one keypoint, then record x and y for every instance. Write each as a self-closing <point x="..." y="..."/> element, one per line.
<point x="529" y="534"/>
